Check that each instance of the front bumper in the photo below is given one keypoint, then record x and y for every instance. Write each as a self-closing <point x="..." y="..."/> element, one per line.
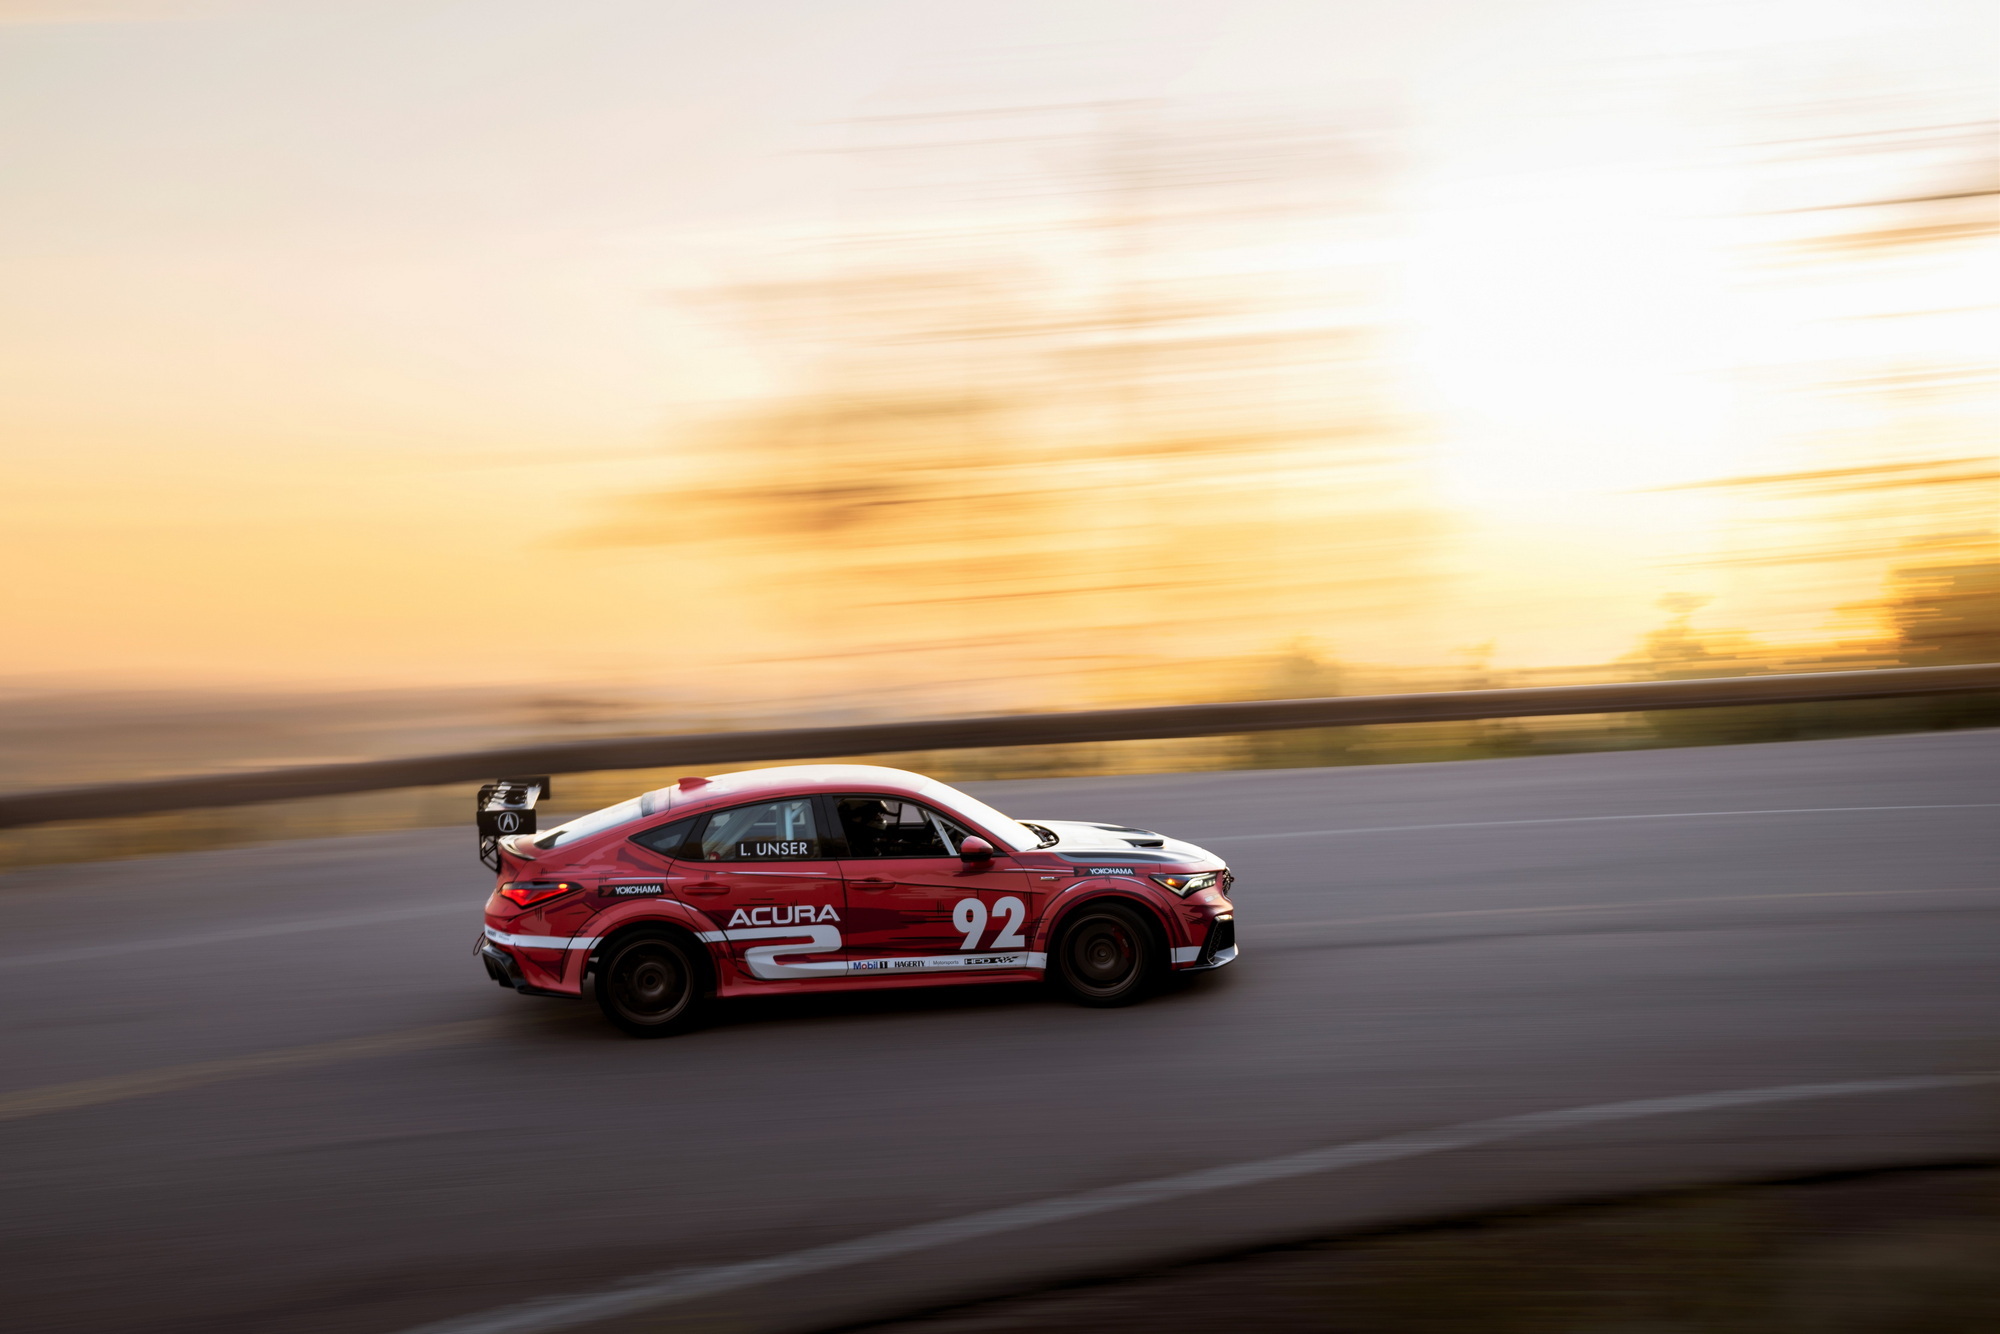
<point x="1218" y="949"/>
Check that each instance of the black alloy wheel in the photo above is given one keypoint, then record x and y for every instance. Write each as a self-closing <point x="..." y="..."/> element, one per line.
<point x="650" y="986"/>
<point x="1106" y="957"/>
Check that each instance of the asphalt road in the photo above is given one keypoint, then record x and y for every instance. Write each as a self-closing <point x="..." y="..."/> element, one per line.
<point x="270" y="1088"/>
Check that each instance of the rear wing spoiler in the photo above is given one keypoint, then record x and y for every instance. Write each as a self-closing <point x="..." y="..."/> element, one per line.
<point x="506" y="807"/>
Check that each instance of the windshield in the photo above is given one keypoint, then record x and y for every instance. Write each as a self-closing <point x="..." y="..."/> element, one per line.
<point x="1003" y="827"/>
<point x="583" y="826"/>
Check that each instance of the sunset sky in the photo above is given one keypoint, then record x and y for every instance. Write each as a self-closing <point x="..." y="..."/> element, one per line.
<point x="326" y="328"/>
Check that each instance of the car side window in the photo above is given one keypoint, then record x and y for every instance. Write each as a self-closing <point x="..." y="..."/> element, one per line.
<point x="665" y="839"/>
<point x="891" y="827"/>
<point x="771" y="831"/>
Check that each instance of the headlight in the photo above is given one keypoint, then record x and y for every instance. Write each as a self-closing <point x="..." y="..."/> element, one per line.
<point x="1185" y="885"/>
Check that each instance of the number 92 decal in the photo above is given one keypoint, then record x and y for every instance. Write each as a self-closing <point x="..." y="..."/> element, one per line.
<point x="969" y="916"/>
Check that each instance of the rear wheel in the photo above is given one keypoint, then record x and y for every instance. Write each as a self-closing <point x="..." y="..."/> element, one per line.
<point x="651" y="986"/>
<point x="1105" y="956"/>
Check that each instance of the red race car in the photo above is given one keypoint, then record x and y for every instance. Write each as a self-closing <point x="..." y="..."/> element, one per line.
<point x="832" y="877"/>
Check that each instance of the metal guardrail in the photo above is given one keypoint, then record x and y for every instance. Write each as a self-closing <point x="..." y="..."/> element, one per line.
<point x="1040" y="729"/>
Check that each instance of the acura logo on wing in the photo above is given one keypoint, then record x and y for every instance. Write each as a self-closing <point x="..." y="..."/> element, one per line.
<point x="508" y="822"/>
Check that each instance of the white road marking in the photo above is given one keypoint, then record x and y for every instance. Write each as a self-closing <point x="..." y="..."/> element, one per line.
<point x="649" y="1292"/>
<point x="223" y="937"/>
<point x="1593" y="819"/>
<point x="1637" y="905"/>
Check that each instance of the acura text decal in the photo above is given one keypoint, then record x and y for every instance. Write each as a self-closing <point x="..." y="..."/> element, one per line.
<point x="784" y="914"/>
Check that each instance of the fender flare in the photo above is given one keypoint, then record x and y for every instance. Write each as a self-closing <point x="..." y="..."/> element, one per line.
<point x="1088" y="892"/>
<point x="685" y="920"/>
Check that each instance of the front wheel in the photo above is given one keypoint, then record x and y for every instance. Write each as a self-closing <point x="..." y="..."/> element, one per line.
<point x="650" y="986"/>
<point x="1104" y="957"/>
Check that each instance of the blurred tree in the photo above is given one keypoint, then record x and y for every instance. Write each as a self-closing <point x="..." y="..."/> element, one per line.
<point x="1946" y="614"/>
<point x="1678" y="651"/>
<point x="1299" y="671"/>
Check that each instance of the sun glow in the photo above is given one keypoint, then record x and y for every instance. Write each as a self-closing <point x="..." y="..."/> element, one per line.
<point x="1573" y="336"/>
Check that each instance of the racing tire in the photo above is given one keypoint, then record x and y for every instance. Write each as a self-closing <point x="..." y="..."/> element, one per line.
<point x="1105" y="956"/>
<point x="652" y="985"/>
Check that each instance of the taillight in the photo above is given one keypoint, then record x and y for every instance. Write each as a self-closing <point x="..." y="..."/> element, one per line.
<point x="525" y="892"/>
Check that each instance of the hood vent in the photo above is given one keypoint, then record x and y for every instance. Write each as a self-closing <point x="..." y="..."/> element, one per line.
<point x="1138" y="838"/>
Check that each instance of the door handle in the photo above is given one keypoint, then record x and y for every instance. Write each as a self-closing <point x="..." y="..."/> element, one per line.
<point x="707" y="887"/>
<point x="872" y="882"/>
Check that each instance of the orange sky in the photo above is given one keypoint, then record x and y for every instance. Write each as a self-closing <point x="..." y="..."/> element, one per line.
<point x="325" y="328"/>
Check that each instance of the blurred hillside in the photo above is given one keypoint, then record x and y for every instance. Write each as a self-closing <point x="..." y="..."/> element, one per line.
<point x="1938" y="614"/>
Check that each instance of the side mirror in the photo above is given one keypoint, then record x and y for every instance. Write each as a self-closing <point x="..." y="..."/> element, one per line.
<point x="975" y="849"/>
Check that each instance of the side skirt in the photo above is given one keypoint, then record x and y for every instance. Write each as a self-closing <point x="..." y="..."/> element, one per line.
<point x="738" y="985"/>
